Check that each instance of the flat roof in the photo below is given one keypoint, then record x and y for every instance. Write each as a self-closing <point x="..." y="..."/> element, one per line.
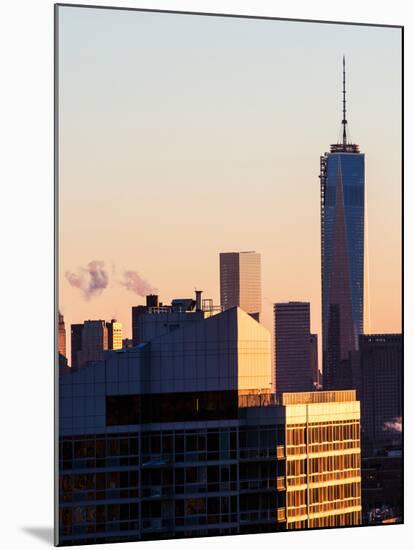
<point x="304" y="398"/>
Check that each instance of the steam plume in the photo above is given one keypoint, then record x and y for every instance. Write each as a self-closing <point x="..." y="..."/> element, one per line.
<point x="394" y="425"/>
<point x="135" y="283"/>
<point x="90" y="280"/>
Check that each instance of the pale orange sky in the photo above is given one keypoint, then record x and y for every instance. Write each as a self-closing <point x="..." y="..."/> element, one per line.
<point x="185" y="136"/>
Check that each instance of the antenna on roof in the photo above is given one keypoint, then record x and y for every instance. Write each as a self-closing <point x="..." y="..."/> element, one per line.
<point x="344" y="121"/>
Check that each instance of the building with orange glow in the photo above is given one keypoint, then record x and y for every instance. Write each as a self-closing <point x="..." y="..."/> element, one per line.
<point x="319" y="464"/>
<point x="114" y="328"/>
<point x="62" y="336"/>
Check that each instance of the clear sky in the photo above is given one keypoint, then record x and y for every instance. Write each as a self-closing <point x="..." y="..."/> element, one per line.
<point x="183" y="136"/>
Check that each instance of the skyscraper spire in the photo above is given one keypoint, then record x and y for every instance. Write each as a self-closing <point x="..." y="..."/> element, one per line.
<point x="344" y="121"/>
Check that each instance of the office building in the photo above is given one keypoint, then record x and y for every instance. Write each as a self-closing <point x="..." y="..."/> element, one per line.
<point x="241" y="282"/>
<point x="90" y="339"/>
<point x="75" y="343"/>
<point x="342" y="181"/>
<point x="293" y="347"/>
<point x="316" y="375"/>
<point x="114" y="329"/>
<point x="377" y="375"/>
<point x="94" y="342"/>
<point x="319" y="462"/>
<point x="180" y="437"/>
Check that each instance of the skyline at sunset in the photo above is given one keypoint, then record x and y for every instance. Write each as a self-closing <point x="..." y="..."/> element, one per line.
<point x="230" y="352"/>
<point x="172" y="152"/>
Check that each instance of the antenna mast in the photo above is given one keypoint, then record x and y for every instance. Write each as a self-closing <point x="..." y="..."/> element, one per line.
<point x="344" y="121"/>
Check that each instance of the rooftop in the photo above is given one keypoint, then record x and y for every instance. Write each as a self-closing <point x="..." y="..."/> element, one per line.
<point x="305" y="398"/>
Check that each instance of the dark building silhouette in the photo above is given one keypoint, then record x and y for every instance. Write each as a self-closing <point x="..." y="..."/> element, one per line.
<point x="76" y="343"/>
<point x="294" y="368"/>
<point x="377" y="374"/>
<point x="342" y="180"/>
<point x="313" y="341"/>
<point x="127" y="343"/>
<point x="375" y="371"/>
<point x="382" y="487"/>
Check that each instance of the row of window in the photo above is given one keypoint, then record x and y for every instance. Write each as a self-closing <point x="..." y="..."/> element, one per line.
<point x="334" y="492"/>
<point x="171" y="407"/>
<point x="337" y="520"/>
<point x="322" y="433"/>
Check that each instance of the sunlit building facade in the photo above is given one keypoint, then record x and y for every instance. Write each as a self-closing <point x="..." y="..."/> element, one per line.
<point x="320" y="460"/>
<point x="114" y="328"/>
<point x="61" y="336"/>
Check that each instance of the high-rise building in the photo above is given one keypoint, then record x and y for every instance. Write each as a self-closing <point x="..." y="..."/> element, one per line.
<point x="342" y="182"/>
<point x="94" y="342"/>
<point x="62" y="336"/>
<point x="75" y="343"/>
<point x="320" y="460"/>
<point x="114" y="328"/>
<point x="313" y="341"/>
<point x="90" y="339"/>
<point x="241" y="282"/>
<point x="293" y="347"/>
<point x="377" y="375"/>
<point x="181" y="437"/>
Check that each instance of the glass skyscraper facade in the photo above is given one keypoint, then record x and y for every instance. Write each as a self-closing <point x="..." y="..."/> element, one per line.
<point x="342" y="247"/>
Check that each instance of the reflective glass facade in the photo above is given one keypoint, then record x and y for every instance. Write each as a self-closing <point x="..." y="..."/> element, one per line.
<point x="342" y="232"/>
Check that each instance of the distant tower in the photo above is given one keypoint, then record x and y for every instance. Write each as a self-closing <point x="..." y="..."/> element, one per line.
<point x="342" y="180"/>
<point x="241" y="282"/>
<point x="313" y="341"/>
<point x="91" y="340"/>
<point x="293" y="347"/>
<point x="62" y="336"/>
<point x="114" y="334"/>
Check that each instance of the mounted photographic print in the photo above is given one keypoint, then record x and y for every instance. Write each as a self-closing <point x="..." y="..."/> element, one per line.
<point x="228" y="275"/>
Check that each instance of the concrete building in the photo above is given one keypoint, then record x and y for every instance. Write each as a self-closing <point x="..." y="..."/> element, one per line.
<point x="61" y="336"/>
<point x="342" y="180"/>
<point x="241" y="282"/>
<point x="294" y="369"/>
<point x="114" y="328"/>
<point x="180" y="437"/>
